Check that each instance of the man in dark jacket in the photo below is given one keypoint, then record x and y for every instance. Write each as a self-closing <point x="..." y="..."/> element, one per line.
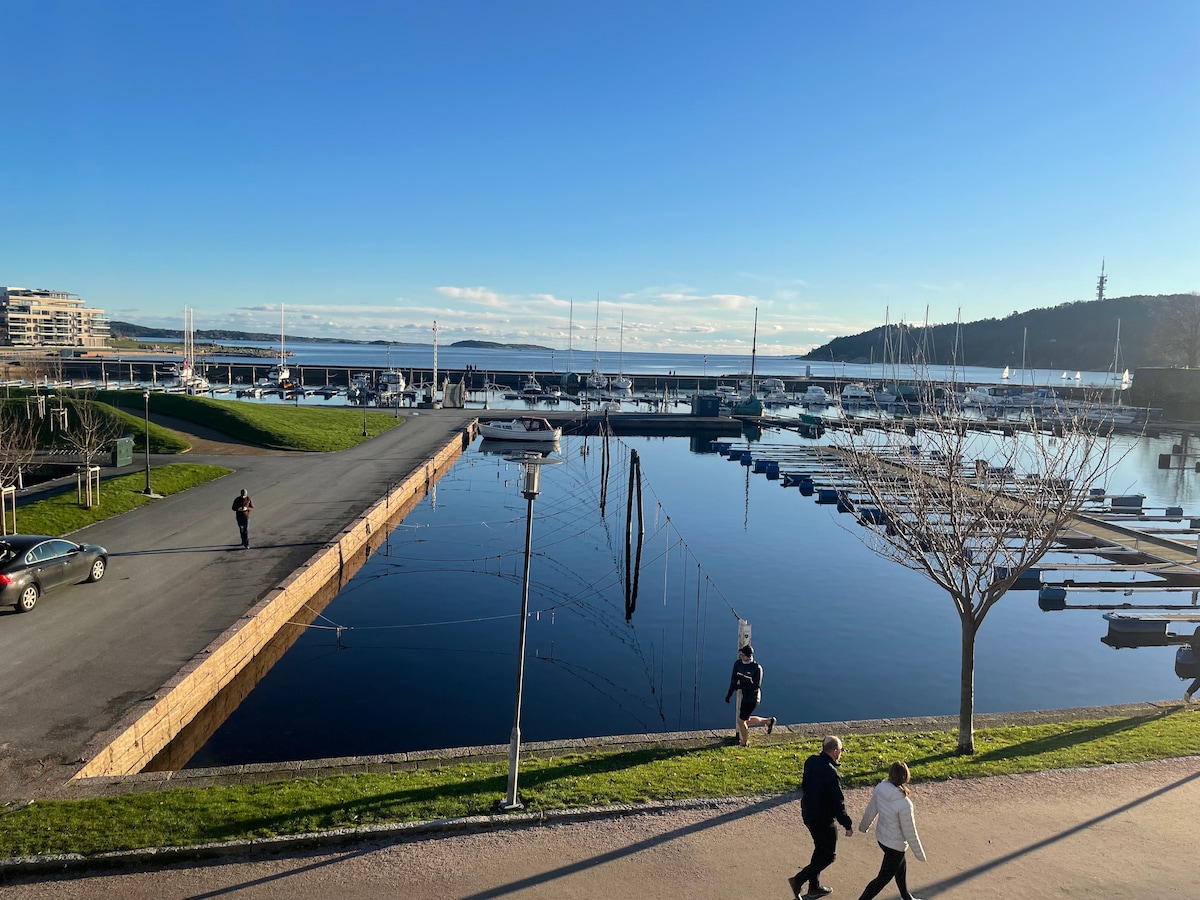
<point x="747" y="677"/>
<point x="823" y="807"/>
<point x="242" y="507"/>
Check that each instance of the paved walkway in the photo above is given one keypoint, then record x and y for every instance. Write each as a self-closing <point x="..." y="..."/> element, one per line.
<point x="177" y="578"/>
<point x="1117" y="831"/>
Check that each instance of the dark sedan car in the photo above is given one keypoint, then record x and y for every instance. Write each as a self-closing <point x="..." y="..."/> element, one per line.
<point x="31" y="564"/>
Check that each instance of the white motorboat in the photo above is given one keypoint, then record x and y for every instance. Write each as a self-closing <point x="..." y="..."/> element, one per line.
<point x="523" y="428"/>
<point x="814" y="396"/>
<point x="856" y="393"/>
<point x="531" y="388"/>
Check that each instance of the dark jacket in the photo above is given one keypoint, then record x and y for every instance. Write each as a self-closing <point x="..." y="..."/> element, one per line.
<point x="747" y="678"/>
<point x="822" y="801"/>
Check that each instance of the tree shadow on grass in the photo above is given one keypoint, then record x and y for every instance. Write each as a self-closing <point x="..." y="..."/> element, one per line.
<point x="1072" y="736"/>
<point x="474" y="796"/>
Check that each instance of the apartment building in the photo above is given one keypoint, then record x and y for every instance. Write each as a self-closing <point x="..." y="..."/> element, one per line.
<point x="32" y="318"/>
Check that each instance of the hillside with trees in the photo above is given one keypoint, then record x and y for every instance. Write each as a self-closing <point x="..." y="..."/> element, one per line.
<point x="1162" y="330"/>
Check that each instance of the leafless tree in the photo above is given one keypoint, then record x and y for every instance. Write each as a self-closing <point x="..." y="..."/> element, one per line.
<point x="18" y="440"/>
<point x="47" y="367"/>
<point x="969" y="506"/>
<point x="91" y="425"/>
<point x="1177" y="332"/>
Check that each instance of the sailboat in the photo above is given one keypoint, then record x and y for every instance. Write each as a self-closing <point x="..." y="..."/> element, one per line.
<point x="596" y="379"/>
<point x="1006" y="374"/>
<point x="751" y="405"/>
<point x="191" y="382"/>
<point x="620" y="381"/>
<point x="280" y="375"/>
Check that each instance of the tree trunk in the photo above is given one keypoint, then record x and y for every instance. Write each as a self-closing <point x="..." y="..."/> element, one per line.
<point x="966" y="695"/>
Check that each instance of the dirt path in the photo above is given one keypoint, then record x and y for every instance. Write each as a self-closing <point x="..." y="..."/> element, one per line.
<point x="1116" y="831"/>
<point x="210" y="442"/>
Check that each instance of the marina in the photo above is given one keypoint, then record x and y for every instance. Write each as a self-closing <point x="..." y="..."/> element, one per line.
<point x="442" y="589"/>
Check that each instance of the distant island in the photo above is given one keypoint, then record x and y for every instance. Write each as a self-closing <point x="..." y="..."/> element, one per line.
<point x="132" y="332"/>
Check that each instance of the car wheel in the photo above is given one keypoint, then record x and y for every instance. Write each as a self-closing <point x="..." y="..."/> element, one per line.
<point x="28" y="599"/>
<point x="98" y="567"/>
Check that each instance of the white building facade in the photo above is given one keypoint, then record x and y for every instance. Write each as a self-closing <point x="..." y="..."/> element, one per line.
<point x="40" y="318"/>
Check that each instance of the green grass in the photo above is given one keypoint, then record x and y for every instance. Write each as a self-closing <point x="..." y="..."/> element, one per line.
<point x="188" y="816"/>
<point x="62" y="514"/>
<point x="267" y="425"/>
<point x="162" y="440"/>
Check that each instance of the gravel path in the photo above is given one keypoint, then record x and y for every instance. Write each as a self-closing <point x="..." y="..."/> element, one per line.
<point x="1115" y="831"/>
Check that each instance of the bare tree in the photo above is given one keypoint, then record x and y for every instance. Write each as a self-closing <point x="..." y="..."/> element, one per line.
<point x="18" y="440"/>
<point x="47" y="367"/>
<point x="971" y="508"/>
<point x="91" y="425"/>
<point x="1177" y="332"/>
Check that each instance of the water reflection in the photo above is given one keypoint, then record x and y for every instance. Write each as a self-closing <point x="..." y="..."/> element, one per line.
<point x="619" y="646"/>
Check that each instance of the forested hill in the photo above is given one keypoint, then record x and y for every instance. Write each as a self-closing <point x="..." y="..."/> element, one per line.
<point x="1079" y="335"/>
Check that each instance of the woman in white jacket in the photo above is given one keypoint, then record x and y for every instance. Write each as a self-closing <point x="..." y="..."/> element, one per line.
<point x="895" y="831"/>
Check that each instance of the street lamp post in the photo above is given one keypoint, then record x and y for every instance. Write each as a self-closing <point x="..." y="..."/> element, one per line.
<point x="146" y="397"/>
<point x="533" y="464"/>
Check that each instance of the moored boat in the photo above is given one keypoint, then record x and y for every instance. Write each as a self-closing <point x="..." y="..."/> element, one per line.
<point x="523" y="428"/>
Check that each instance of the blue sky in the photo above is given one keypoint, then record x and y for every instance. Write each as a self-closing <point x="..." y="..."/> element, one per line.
<point x="377" y="166"/>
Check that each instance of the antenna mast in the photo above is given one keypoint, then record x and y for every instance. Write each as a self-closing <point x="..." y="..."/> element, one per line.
<point x="1101" y="282"/>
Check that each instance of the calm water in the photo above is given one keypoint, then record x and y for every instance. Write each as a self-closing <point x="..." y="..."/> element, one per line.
<point x="420" y="359"/>
<point x="427" y="656"/>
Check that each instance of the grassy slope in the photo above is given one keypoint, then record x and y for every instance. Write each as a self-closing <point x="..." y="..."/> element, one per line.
<point x="269" y="425"/>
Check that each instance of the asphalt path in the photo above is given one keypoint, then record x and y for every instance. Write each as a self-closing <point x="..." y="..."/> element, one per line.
<point x="177" y="579"/>
<point x="1113" y="831"/>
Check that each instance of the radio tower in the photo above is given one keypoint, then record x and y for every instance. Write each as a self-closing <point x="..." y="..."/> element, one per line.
<point x="1101" y="282"/>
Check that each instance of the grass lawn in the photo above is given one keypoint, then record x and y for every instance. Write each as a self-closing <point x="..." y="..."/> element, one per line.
<point x="188" y="816"/>
<point x="272" y="425"/>
<point x="62" y="514"/>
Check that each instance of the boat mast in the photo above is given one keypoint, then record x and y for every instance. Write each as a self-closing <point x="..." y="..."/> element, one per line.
<point x="571" y="336"/>
<point x="596" y="338"/>
<point x="1116" y="363"/>
<point x="753" y="351"/>
<point x="621" y="347"/>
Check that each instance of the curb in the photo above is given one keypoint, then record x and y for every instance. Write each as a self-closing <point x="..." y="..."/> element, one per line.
<point x="151" y="857"/>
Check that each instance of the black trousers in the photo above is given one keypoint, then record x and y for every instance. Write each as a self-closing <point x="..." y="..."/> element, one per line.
<point x="243" y="522"/>
<point x="894" y="865"/>
<point x="824" y="852"/>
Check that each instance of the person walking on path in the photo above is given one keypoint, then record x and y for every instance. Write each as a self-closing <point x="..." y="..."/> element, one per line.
<point x="242" y="507"/>
<point x="895" y="831"/>
<point x="823" y="808"/>
<point x="747" y="677"/>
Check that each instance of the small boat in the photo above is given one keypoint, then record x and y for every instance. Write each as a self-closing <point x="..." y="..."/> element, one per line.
<point x="523" y="428"/>
<point x="814" y="396"/>
<point x="856" y="393"/>
<point x="531" y="388"/>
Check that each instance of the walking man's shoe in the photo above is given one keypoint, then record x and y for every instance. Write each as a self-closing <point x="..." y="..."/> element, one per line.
<point x="819" y="891"/>
<point x="771" y="725"/>
<point x="795" y="886"/>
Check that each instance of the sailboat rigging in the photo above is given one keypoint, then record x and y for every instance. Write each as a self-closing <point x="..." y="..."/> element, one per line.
<point x="281" y="375"/>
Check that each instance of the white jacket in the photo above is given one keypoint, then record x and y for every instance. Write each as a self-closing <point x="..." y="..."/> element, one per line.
<point x="897" y="828"/>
